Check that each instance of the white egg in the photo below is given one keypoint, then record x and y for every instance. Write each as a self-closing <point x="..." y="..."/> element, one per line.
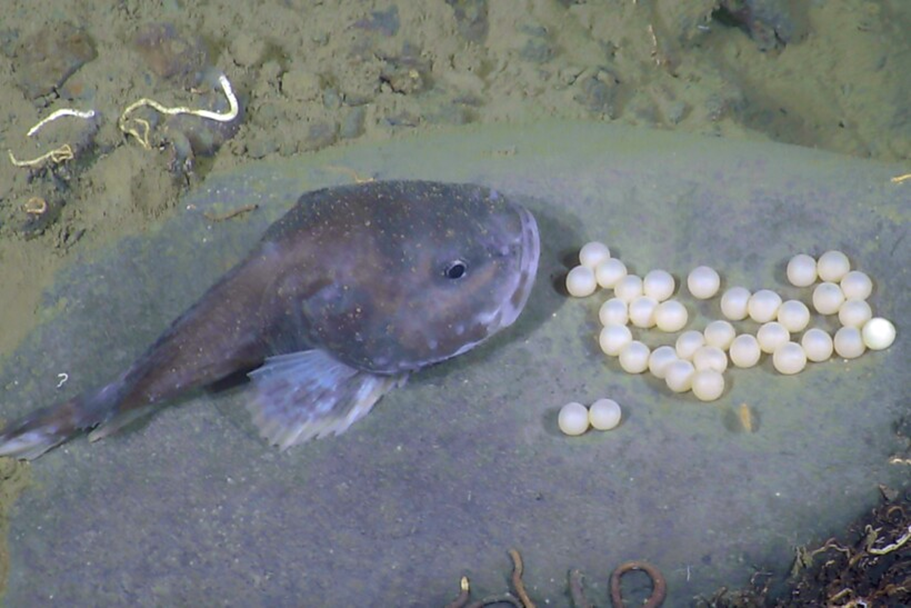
<point x="849" y="343"/>
<point x="660" y="358"/>
<point x="573" y="419"/>
<point x="832" y="266"/>
<point x="703" y="282"/>
<point x="593" y="253"/>
<point x="688" y="343"/>
<point x="763" y="305"/>
<point x="580" y="282"/>
<point x="678" y="375"/>
<point x="878" y="333"/>
<point x="604" y="414"/>
<point x="642" y="311"/>
<point x="828" y="298"/>
<point x="658" y="284"/>
<point x="817" y="344"/>
<point x="708" y="385"/>
<point x="735" y="303"/>
<point x="719" y="334"/>
<point x="789" y="358"/>
<point x="628" y="288"/>
<point x="854" y="313"/>
<point x="856" y="285"/>
<point x="614" y="338"/>
<point x="671" y="316"/>
<point x="634" y="357"/>
<point x="614" y="312"/>
<point x="608" y="272"/>
<point x="710" y="357"/>
<point x="802" y="270"/>
<point x="771" y="336"/>
<point x="794" y="315"/>
<point x="745" y="351"/>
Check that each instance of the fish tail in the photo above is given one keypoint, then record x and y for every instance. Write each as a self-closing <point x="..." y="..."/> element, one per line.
<point x="31" y="436"/>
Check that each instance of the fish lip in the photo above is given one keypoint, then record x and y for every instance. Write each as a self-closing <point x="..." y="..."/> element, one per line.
<point x="530" y="242"/>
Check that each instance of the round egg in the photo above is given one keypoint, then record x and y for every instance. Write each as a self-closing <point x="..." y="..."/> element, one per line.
<point x="614" y="312"/>
<point x="817" y="344"/>
<point x="703" y="282"/>
<point x="789" y="358"/>
<point x="580" y="282"/>
<point x="642" y="311"/>
<point x="628" y="288"/>
<point x="772" y="335"/>
<point x="745" y="351"/>
<point x="671" y="316"/>
<point x="614" y="338"/>
<point x="658" y="284"/>
<point x="763" y="305"/>
<point x="849" y="343"/>
<point x="573" y="419"/>
<point x="802" y="270"/>
<point x="608" y="272"/>
<point x="604" y="414"/>
<point x="832" y="266"/>
<point x="710" y="357"/>
<point x="794" y="315"/>
<point x="735" y="303"/>
<point x="678" y="375"/>
<point x="828" y="298"/>
<point x="688" y="343"/>
<point x="660" y="358"/>
<point x="854" y="313"/>
<point x="707" y="385"/>
<point x="593" y="253"/>
<point x="634" y="357"/>
<point x="856" y="285"/>
<point x="719" y="334"/>
<point x="878" y="333"/>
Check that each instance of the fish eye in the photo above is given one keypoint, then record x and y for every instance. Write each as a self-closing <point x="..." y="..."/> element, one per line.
<point x="456" y="269"/>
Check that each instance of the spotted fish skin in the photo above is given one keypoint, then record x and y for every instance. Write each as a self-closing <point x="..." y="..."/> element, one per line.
<point x="352" y="290"/>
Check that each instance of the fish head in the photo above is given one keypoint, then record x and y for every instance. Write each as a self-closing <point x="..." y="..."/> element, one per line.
<point x="426" y="272"/>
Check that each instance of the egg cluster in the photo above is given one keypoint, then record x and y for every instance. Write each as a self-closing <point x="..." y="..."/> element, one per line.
<point x="697" y="360"/>
<point x="603" y="415"/>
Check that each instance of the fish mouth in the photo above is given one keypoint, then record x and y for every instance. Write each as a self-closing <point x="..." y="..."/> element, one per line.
<point x="527" y="267"/>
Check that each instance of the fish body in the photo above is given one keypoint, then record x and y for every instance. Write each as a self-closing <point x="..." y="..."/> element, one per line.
<point x="348" y="293"/>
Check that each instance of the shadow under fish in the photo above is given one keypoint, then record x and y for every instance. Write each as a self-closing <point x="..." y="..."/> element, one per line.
<point x="347" y="294"/>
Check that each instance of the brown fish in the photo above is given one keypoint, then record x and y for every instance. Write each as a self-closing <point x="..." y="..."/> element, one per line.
<point x="348" y="293"/>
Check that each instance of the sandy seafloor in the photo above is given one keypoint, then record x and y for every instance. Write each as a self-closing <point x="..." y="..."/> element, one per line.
<point x="314" y="75"/>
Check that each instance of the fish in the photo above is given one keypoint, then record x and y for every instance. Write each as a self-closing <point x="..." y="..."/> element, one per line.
<point x="352" y="290"/>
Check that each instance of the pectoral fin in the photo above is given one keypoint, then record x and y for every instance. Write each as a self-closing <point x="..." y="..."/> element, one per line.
<point x="310" y="394"/>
